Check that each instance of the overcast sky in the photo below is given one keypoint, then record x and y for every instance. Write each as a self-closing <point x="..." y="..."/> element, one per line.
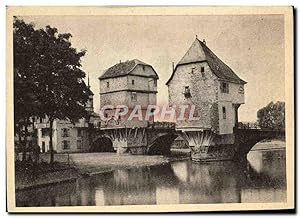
<point x="252" y="45"/>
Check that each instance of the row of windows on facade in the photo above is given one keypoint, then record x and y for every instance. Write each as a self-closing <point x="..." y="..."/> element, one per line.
<point x="132" y="83"/>
<point x="224" y="89"/>
<point x="65" y="132"/>
<point x="201" y="70"/>
<point x="65" y="145"/>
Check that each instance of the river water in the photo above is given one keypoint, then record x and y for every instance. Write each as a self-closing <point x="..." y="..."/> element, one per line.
<point x="261" y="179"/>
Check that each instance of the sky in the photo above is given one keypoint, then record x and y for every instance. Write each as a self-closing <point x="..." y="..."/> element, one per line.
<point x="251" y="45"/>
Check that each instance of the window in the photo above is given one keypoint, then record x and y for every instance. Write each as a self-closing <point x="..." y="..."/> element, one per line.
<point x="79" y="132"/>
<point x="202" y="69"/>
<point x="65" y="132"/>
<point x="78" y="144"/>
<point x="241" y="90"/>
<point x="65" y="145"/>
<point x="187" y="92"/>
<point x="133" y="96"/>
<point x="45" y="132"/>
<point x="107" y="84"/>
<point x="132" y="82"/>
<point x="43" y="147"/>
<point x="224" y="87"/>
<point x="224" y="112"/>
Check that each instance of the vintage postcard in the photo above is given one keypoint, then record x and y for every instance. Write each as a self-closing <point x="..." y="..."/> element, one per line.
<point x="150" y="109"/>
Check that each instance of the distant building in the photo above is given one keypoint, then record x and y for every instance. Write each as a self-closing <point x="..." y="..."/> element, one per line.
<point x="67" y="137"/>
<point x="202" y="79"/>
<point x="127" y="83"/>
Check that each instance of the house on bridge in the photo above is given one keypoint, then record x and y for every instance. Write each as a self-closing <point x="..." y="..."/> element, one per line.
<point x="202" y="79"/>
<point x="127" y="83"/>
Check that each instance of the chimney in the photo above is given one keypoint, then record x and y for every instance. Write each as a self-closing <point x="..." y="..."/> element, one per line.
<point x="204" y="42"/>
<point x="120" y="61"/>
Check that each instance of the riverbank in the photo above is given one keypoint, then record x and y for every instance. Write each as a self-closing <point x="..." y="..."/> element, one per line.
<point x="84" y="164"/>
<point x="29" y="176"/>
<point x="94" y="163"/>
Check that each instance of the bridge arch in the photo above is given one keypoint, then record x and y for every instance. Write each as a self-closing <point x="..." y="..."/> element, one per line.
<point x="246" y="139"/>
<point x="162" y="144"/>
<point x="102" y="144"/>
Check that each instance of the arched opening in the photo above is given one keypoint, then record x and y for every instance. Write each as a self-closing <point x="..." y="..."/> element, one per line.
<point x="162" y="145"/>
<point x="246" y="139"/>
<point x="266" y="154"/>
<point x="102" y="144"/>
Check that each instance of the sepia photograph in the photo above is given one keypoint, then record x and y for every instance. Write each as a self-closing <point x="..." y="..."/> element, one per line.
<point x="149" y="109"/>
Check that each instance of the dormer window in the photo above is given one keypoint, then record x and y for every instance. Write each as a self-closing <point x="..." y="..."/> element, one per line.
<point x="107" y="84"/>
<point x="224" y="87"/>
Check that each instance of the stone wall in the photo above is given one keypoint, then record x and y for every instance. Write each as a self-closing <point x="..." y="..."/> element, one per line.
<point x="203" y="88"/>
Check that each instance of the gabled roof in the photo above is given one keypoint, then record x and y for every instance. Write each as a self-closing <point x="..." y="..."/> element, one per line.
<point x="199" y="52"/>
<point x="123" y="69"/>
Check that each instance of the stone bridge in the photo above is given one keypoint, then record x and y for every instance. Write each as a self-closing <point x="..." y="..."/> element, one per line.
<point x="154" y="139"/>
<point x="158" y="138"/>
<point x="245" y="139"/>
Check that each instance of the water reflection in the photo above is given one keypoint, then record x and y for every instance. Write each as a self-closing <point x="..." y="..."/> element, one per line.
<point x="261" y="179"/>
<point x="266" y="177"/>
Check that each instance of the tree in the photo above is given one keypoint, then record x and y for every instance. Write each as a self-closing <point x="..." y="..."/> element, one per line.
<point x="272" y="116"/>
<point x="55" y="77"/>
<point x="25" y="100"/>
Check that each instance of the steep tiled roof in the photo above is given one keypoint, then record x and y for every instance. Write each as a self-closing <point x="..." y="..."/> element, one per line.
<point x="123" y="69"/>
<point x="199" y="52"/>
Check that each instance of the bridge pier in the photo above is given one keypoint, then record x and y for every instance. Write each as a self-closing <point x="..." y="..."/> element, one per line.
<point x="205" y="145"/>
<point x="125" y="140"/>
<point x="145" y="140"/>
<point x="130" y="141"/>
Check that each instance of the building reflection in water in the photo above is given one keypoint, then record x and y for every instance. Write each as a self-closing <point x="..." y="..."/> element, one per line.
<point x="213" y="182"/>
<point x="262" y="179"/>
